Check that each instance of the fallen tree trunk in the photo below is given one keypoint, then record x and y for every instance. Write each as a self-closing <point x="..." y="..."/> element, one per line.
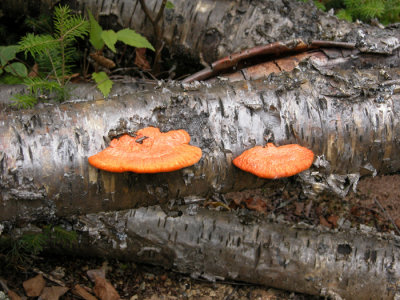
<point x="351" y="121"/>
<point x="204" y="31"/>
<point x="348" y="117"/>
<point x="244" y="246"/>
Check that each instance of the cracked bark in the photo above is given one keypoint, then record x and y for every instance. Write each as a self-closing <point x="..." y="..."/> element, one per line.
<point x="345" y="111"/>
<point x="351" y="264"/>
<point x="349" y="120"/>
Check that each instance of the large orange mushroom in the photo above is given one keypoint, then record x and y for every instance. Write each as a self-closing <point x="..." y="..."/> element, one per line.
<point x="275" y="162"/>
<point x="150" y="151"/>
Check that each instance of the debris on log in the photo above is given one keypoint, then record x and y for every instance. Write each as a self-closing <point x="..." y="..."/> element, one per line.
<point x="348" y="118"/>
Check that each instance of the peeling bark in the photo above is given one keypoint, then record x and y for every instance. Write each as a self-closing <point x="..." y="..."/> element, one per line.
<point x="207" y="30"/>
<point x="348" y="116"/>
<point x="352" y="264"/>
<point x="349" y="119"/>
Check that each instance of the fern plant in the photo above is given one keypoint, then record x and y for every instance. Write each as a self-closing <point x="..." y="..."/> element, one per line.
<point x="20" y="250"/>
<point x="386" y="11"/>
<point x="54" y="54"/>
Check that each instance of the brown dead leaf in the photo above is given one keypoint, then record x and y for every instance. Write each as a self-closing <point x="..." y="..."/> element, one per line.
<point x="82" y="292"/>
<point x="101" y="60"/>
<point x="324" y="222"/>
<point x="94" y="273"/>
<point x="355" y="211"/>
<point x="140" y="59"/>
<point x="34" y="71"/>
<point x="333" y="220"/>
<point x="256" y="204"/>
<point x="270" y="294"/>
<point x="308" y="209"/>
<point x="53" y="292"/>
<point x="13" y="295"/>
<point x="104" y="290"/>
<point x="397" y="222"/>
<point x="33" y="287"/>
<point x="299" y="208"/>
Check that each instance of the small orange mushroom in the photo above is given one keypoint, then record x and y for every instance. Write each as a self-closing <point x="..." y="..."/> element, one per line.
<point x="150" y="151"/>
<point x="275" y="162"/>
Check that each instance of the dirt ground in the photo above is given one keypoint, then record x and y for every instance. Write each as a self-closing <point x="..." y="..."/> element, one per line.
<point x="139" y="282"/>
<point x="374" y="204"/>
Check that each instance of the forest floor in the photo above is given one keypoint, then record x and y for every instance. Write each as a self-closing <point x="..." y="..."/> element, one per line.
<point x="374" y="204"/>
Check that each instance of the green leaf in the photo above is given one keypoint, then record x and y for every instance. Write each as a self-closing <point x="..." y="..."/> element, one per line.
<point x="95" y="33"/>
<point x="343" y="14"/>
<point x="131" y="38"/>
<point x="104" y="83"/>
<point x="319" y="5"/>
<point x="17" y="69"/>
<point x="8" y="53"/>
<point x="169" y="5"/>
<point x="110" y="38"/>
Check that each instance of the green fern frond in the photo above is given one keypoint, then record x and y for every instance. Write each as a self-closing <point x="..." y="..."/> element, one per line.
<point x="37" y="85"/>
<point x="392" y="12"/>
<point x="344" y="14"/>
<point x="319" y="5"/>
<point x="64" y="237"/>
<point x="23" y="101"/>
<point x="372" y="9"/>
<point x="37" y="88"/>
<point x="365" y="10"/>
<point x="55" y="56"/>
<point x="67" y="26"/>
<point x="37" y="44"/>
<point x="33" y="243"/>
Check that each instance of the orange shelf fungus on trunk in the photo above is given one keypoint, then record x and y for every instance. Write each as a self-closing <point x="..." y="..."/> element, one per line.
<point x="150" y="151"/>
<point x="275" y="162"/>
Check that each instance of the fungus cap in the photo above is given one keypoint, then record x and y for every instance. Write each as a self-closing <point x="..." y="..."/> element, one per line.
<point x="150" y="151"/>
<point x="275" y="162"/>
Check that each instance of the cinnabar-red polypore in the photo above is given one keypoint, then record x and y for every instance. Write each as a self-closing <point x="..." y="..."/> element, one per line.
<point x="275" y="162"/>
<point x="150" y="151"/>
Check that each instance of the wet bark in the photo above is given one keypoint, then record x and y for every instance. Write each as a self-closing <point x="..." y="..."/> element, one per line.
<point x="243" y="246"/>
<point x="350" y="121"/>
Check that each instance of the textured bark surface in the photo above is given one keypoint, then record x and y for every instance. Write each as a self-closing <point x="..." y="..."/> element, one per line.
<point x="210" y="29"/>
<point x="207" y="30"/>
<point x="350" y="121"/>
<point x="347" y="114"/>
<point x="244" y="246"/>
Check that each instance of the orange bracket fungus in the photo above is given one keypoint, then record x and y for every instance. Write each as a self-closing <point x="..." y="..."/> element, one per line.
<point x="275" y="162"/>
<point x="150" y="151"/>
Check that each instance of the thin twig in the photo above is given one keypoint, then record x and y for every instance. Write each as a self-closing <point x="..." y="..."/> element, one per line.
<point x="146" y="11"/>
<point x="4" y="285"/>
<point x="158" y="30"/>
<point x="49" y="277"/>
<point x="387" y="215"/>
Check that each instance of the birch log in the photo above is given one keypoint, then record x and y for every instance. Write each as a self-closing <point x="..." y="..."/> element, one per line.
<point x="207" y="30"/>
<point x="349" y="119"/>
<point x="343" y="264"/>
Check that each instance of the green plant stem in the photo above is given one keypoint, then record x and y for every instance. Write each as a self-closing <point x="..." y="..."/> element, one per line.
<point x="54" y="68"/>
<point x="63" y="62"/>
